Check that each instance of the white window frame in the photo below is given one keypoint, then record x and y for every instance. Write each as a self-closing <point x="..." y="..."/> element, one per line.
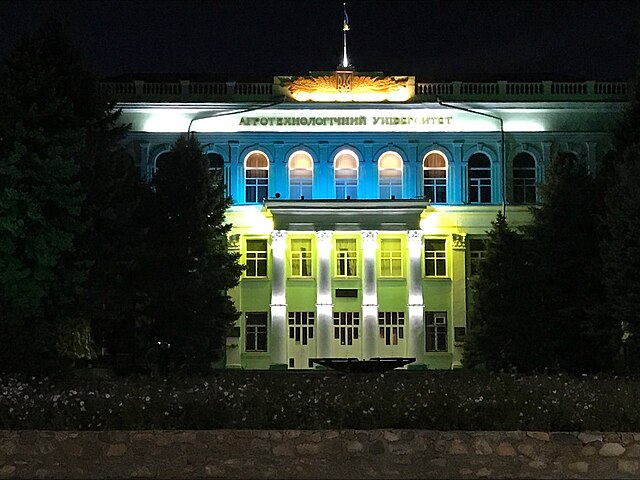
<point x="436" y="258"/>
<point x="391" y="327"/>
<point x="254" y="259"/>
<point x="255" y="331"/>
<point x="394" y="259"/>
<point x="346" y="259"/>
<point x="301" y="327"/>
<point x="436" y="186"/>
<point x="481" y="186"/>
<point x="525" y="185"/>
<point x="436" y="332"/>
<point x="301" y="262"/>
<point x="390" y="186"/>
<point x="346" y="186"/>
<point x="346" y="326"/>
<point x="300" y="186"/>
<point x="256" y="186"/>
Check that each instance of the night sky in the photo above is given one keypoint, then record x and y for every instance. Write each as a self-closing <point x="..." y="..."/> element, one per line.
<point x="435" y="40"/>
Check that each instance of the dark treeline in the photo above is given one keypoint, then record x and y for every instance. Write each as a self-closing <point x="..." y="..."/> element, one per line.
<point x="92" y="256"/>
<point x="564" y="292"/>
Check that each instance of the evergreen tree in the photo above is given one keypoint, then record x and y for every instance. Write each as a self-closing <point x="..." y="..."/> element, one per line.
<point x="191" y="268"/>
<point x="502" y="313"/>
<point x="577" y="332"/>
<point x="620" y="251"/>
<point x="44" y="114"/>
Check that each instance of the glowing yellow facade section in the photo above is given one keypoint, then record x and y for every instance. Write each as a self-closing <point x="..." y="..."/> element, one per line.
<point x="349" y="87"/>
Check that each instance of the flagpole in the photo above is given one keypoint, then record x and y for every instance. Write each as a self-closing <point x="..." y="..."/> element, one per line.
<point x="345" y="29"/>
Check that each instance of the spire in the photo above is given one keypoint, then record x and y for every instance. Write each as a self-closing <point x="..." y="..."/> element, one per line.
<point x="345" y="28"/>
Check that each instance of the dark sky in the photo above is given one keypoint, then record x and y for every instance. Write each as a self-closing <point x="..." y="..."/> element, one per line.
<point x="435" y="40"/>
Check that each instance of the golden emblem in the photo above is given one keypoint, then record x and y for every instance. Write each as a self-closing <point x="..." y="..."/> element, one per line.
<point x="347" y="86"/>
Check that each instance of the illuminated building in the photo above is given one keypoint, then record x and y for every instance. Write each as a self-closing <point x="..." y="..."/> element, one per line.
<point x="361" y="201"/>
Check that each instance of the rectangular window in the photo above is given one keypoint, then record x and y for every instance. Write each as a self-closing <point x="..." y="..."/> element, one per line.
<point x="524" y="190"/>
<point x="436" y="331"/>
<point x="435" y="185"/>
<point x="301" y="327"/>
<point x="435" y="258"/>
<point x="256" y="331"/>
<point x="390" y="187"/>
<point x="301" y="260"/>
<point x="477" y="252"/>
<point x="257" y="185"/>
<point x="346" y="257"/>
<point x="345" y="327"/>
<point x="391" y="325"/>
<point x="300" y="188"/>
<point x="346" y="188"/>
<point x="391" y="257"/>
<point x="256" y="258"/>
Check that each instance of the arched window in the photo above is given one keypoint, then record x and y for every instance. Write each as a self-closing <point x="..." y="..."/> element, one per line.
<point x="524" y="178"/>
<point x="390" y="175"/>
<point x="216" y="166"/>
<point x="434" y="171"/>
<point x="479" y="178"/>
<point x="256" y="174"/>
<point x="300" y="175"/>
<point x="345" y="166"/>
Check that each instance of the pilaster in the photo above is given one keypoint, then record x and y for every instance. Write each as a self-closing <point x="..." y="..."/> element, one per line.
<point x="369" y="293"/>
<point x="415" y="342"/>
<point x="324" y="305"/>
<point x="278" y="300"/>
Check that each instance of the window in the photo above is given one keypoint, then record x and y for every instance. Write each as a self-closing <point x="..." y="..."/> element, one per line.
<point x="524" y="179"/>
<point x="391" y="257"/>
<point x="256" y="171"/>
<point x="301" y="327"/>
<point x="435" y="258"/>
<point x="256" y="258"/>
<point x="301" y="257"/>
<point x="391" y="325"/>
<point x="256" y="330"/>
<point x="346" y="257"/>
<point x="345" y="327"/>
<point x="346" y="175"/>
<point x="300" y="175"/>
<point x="436" y="331"/>
<point x="477" y="253"/>
<point x="479" y="178"/>
<point x="390" y="175"/>
<point x="434" y="169"/>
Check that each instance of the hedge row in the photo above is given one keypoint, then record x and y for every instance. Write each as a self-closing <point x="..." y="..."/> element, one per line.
<point x="457" y="400"/>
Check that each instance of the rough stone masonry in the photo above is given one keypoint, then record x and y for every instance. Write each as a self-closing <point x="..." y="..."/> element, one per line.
<point x="323" y="454"/>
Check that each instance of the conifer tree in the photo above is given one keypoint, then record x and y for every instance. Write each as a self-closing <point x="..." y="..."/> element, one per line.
<point x="44" y="113"/>
<point x="503" y="304"/>
<point x="577" y="332"/>
<point x="620" y="251"/>
<point x="191" y="266"/>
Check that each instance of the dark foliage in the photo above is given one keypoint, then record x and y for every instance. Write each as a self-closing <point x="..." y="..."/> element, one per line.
<point x="190" y="267"/>
<point x="503" y="305"/>
<point x="620" y="250"/>
<point x="47" y="104"/>
<point x="576" y="332"/>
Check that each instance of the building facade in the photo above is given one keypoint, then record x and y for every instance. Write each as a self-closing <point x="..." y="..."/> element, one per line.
<point x="361" y="202"/>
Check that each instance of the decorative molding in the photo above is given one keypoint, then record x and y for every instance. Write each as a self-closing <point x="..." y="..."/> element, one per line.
<point x="458" y="241"/>
<point x="348" y="86"/>
<point x="369" y="236"/>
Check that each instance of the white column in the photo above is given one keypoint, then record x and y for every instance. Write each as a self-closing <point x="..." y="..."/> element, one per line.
<point x="415" y="343"/>
<point x="278" y="298"/>
<point x="369" y="294"/>
<point x="324" y="305"/>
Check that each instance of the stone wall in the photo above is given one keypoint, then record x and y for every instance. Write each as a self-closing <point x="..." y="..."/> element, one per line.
<point x="328" y="454"/>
